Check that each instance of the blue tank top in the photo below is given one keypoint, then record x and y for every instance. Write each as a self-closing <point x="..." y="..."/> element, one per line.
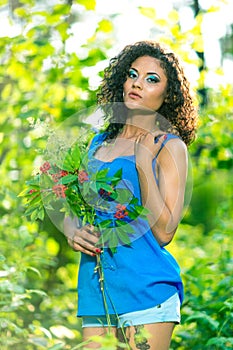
<point x="137" y="277"/>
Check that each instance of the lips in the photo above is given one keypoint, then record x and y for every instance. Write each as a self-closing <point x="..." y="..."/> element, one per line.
<point x="134" y="95"/>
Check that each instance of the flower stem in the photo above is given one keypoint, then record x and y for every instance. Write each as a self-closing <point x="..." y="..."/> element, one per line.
<point x="100" y="271"/>
<point x="101" y="280"/>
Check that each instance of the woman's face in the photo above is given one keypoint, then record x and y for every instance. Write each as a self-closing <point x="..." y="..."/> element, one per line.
<point x="146" y="85"/>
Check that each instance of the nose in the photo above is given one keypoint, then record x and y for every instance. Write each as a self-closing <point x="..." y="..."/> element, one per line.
<point x="137" y="83"/>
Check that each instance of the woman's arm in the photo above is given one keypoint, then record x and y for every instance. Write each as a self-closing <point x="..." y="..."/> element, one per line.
<point x="164" y="200"/>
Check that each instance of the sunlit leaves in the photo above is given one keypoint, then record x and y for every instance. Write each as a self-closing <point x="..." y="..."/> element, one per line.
<point x="149" y="12"/>
<point x="206" y="272"/>
<point x="173" y="16"/>
<point x="62" y="28"/>
<point x="21" y="12"/>
<point x="221" y="342"/>
<point x="105" y="26"/>
<point x="170" y="31"/>
<point x="203" y="318"/>
<point x="88" y="4"/>
<point x="52" y="247"/>
<point x="61" y="10"/>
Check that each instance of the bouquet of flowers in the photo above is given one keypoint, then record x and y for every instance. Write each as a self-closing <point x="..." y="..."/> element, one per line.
<point x="67" y="186"/>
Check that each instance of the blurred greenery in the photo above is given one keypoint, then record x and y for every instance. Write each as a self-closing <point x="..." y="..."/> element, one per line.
<point x="42" y="85"/>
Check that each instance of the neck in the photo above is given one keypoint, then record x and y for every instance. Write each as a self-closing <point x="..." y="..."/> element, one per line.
<point x="139" y="123"/>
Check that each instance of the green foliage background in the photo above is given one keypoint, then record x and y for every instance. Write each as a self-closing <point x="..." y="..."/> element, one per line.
<point x="42" y="85"/>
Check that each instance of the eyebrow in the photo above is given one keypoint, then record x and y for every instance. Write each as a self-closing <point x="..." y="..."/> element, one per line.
<point x="147" y="72"/>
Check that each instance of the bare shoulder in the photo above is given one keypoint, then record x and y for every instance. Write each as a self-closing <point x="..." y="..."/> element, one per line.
<point x="176" y="145"/>
<point x="174" y="148"/>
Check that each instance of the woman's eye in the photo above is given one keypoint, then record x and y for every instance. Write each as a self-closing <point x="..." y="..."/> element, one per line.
<point x="152" y="79"/>
<point x="132" y="74"/>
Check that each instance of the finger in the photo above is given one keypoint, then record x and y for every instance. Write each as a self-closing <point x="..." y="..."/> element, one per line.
<point x="160" y="138"/>
<point x="93" y="230"/>
<point x="90" y="252"/>
<point x="158" y="133"/>
<point x="89" y="228"/>
<point x="87" y="234"/>
<point x="79" y="248"/>
<point x="84" y="244"/>
<point x="139" y="138"/>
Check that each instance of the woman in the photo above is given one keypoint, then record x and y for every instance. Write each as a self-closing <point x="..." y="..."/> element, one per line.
<point x="151" y="120"/>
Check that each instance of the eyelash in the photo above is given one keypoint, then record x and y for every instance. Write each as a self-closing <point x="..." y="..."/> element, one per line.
<point x="132" y="74"/>
<point x="151" y="78"/>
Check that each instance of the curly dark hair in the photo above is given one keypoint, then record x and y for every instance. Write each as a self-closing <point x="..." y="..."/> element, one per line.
<point x="178" y="109"/>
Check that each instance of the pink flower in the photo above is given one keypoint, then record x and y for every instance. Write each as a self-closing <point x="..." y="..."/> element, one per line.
<point x="63" y="173"/>
<point x="120" y="207"/>
<point x="82" y="176"/>
<point x="45" y="167"/>
<point x="121" y="213"/>
<point x="104" y="194"/>
<point x="56" y="177"/>
<point x="32" y="191"/>
<point x="59" y="191"/>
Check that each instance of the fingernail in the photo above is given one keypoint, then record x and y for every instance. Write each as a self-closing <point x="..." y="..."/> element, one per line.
<point x="93" y="254"/>
<point x="98" y="250"/>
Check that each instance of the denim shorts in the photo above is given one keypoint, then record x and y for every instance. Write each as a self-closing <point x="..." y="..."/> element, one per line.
<point x="168" y="311"/>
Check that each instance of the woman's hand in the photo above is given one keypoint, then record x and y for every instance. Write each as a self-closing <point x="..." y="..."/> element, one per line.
<point x="145" y="147"/>
<point x="81" y="239"/>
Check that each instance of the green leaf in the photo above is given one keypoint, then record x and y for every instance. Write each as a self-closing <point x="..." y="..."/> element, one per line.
<point x="68" y="163"/>
<point x="67" y="179"/>
<point x="105" y="26"/>
<point x="76" y="155"/>
<point x="86" y="189"/>
<point x="125" y="226"/>
<point x="31" y="268"/>
<point x="105" y="223"/>
<point x="134" y="201"/>
<point x="57" y="346"/>
<point x="221" y="341"/>
<point x="102" y="174"/>
<point x="88" y="4"/>
<point x="61" y="9"/>
<point x="41" y="214"/>
<point x="202" y="317"/>
<point x="34" y="181"/>
<point x="104" y="186"/>
<point x="149" y="12"/>
<point x="118" y="175"/>
<point x="37" y="214"/>
<point x="113" y="241"/>
<point x="2" y="257"/>
<point x="25" y="192"/>
<point x="105" y="237"/>
<point x="36" y="291"/>
<point x="30" y="210"/>
<point x="21" y="12"/>
<point x="92" y="185"/>
<point x="132" y="214"/>
<point x="114" y="251"/>
<point x="123" y="236"/>
<point x="36" y="200"/>
<point x="123" y="195"/>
